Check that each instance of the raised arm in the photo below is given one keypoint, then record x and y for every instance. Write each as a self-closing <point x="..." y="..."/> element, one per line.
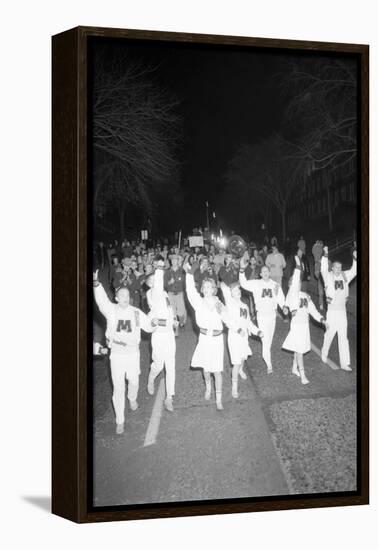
<point x="251" y="285"/>
<point x="292" y="296"/>
<point x="247" y="285"/>
<point x="157" y="290"/>
<point x="104" y="304"/>
<point x="194" y="297"/>
<point x="352" y="272"/>
<point x="324" y="265"/>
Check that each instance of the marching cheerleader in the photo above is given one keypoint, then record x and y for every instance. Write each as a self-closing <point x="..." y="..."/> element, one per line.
<point x="267" y="295"/>
<point x="210" y="316"/>
<point x="336" y="284"/>
<point x="238" y="333"/>
<point x="163" y="338"/>
<point x="301" y="306"/>
<point x="123" y="326"/>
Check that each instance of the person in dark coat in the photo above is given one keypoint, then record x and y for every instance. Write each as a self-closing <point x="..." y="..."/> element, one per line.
<point x="305" y="271"/>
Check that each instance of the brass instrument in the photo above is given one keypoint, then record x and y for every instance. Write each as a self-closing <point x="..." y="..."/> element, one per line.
<point x="236" y="246"/>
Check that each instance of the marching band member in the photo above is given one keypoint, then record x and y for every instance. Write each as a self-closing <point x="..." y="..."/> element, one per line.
<point x="228" y="273"/>
<point x="336" y="283"/>
<point x="124" y="323"/>
<point x="175" y="285"/>
<point x="238" y="332"/>
<point x="210" y="315"/>
<point x="204" y="271"/>
<point x="301" y="307"/>
<point x="267" y="295"/>
<point x="163" y="338"/>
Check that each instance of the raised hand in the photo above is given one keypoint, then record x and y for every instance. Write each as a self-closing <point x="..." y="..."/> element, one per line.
<point x="355" y="253"/>
<point x="187" y="267"/>
<point x="95" y="275"/>
<point x="325" y="250"/>
<point x="195" y="266"/>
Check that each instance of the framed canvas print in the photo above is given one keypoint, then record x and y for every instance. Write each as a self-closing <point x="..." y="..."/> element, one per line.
<point x="210" y="274"/>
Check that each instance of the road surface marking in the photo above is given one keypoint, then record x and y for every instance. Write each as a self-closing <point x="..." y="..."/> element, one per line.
<point x="153" y="425"/>
<point x="329" y="362"/>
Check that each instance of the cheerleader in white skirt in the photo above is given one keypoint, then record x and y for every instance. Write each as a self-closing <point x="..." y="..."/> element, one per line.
<point x="238" y="332"/>
<point x="301" y="307"/>
<point x="210" y="316"/>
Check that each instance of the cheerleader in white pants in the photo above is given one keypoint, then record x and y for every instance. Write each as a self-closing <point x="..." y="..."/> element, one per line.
<point x="336" y="283"/>
<point x="210" y="315"/>
<point x="267" y="295"/>
<point x="301" y="307"/>
<point x="241" y="327"/>
<point x="123" y="325"/>
<point x="163" y="338"/>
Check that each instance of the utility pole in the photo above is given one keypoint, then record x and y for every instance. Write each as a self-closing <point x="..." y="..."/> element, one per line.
<point x="207" y="215"/>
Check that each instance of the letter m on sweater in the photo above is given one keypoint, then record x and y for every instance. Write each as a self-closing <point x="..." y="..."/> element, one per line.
<point x="124" y="325"/>
<point x="267" y="292"/>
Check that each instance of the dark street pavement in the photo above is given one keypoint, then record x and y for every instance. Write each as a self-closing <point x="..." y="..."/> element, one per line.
<point x="278" y="438"/>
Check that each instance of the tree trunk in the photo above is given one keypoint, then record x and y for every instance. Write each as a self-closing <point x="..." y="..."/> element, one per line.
<point x="267" y="215"/>
<point x="283" y="220"/>
<point x="329" y="208"/>
<point x="121" y="213"/>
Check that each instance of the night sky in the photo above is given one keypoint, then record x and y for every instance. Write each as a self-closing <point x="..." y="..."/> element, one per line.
<point x="227" y="97"/>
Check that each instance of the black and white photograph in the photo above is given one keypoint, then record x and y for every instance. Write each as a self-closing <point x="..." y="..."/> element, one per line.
<point x="224" y="193"/>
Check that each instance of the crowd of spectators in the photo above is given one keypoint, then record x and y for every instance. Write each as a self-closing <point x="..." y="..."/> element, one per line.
<point x="129" y="263"/>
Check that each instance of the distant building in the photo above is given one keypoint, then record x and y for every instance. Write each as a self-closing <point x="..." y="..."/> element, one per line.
<point x="338" y="187"/>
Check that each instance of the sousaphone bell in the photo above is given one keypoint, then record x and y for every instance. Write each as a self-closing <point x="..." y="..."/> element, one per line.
<point x="236" y="246"/>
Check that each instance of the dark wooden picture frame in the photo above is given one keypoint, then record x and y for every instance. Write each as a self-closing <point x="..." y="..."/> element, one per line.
<point x="71" y="326"/>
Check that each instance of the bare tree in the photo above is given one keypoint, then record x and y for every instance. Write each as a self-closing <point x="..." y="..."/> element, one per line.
<point x="266" y="170"/>
<point x="322" y="116"/>
<point x="135" y="135"/>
